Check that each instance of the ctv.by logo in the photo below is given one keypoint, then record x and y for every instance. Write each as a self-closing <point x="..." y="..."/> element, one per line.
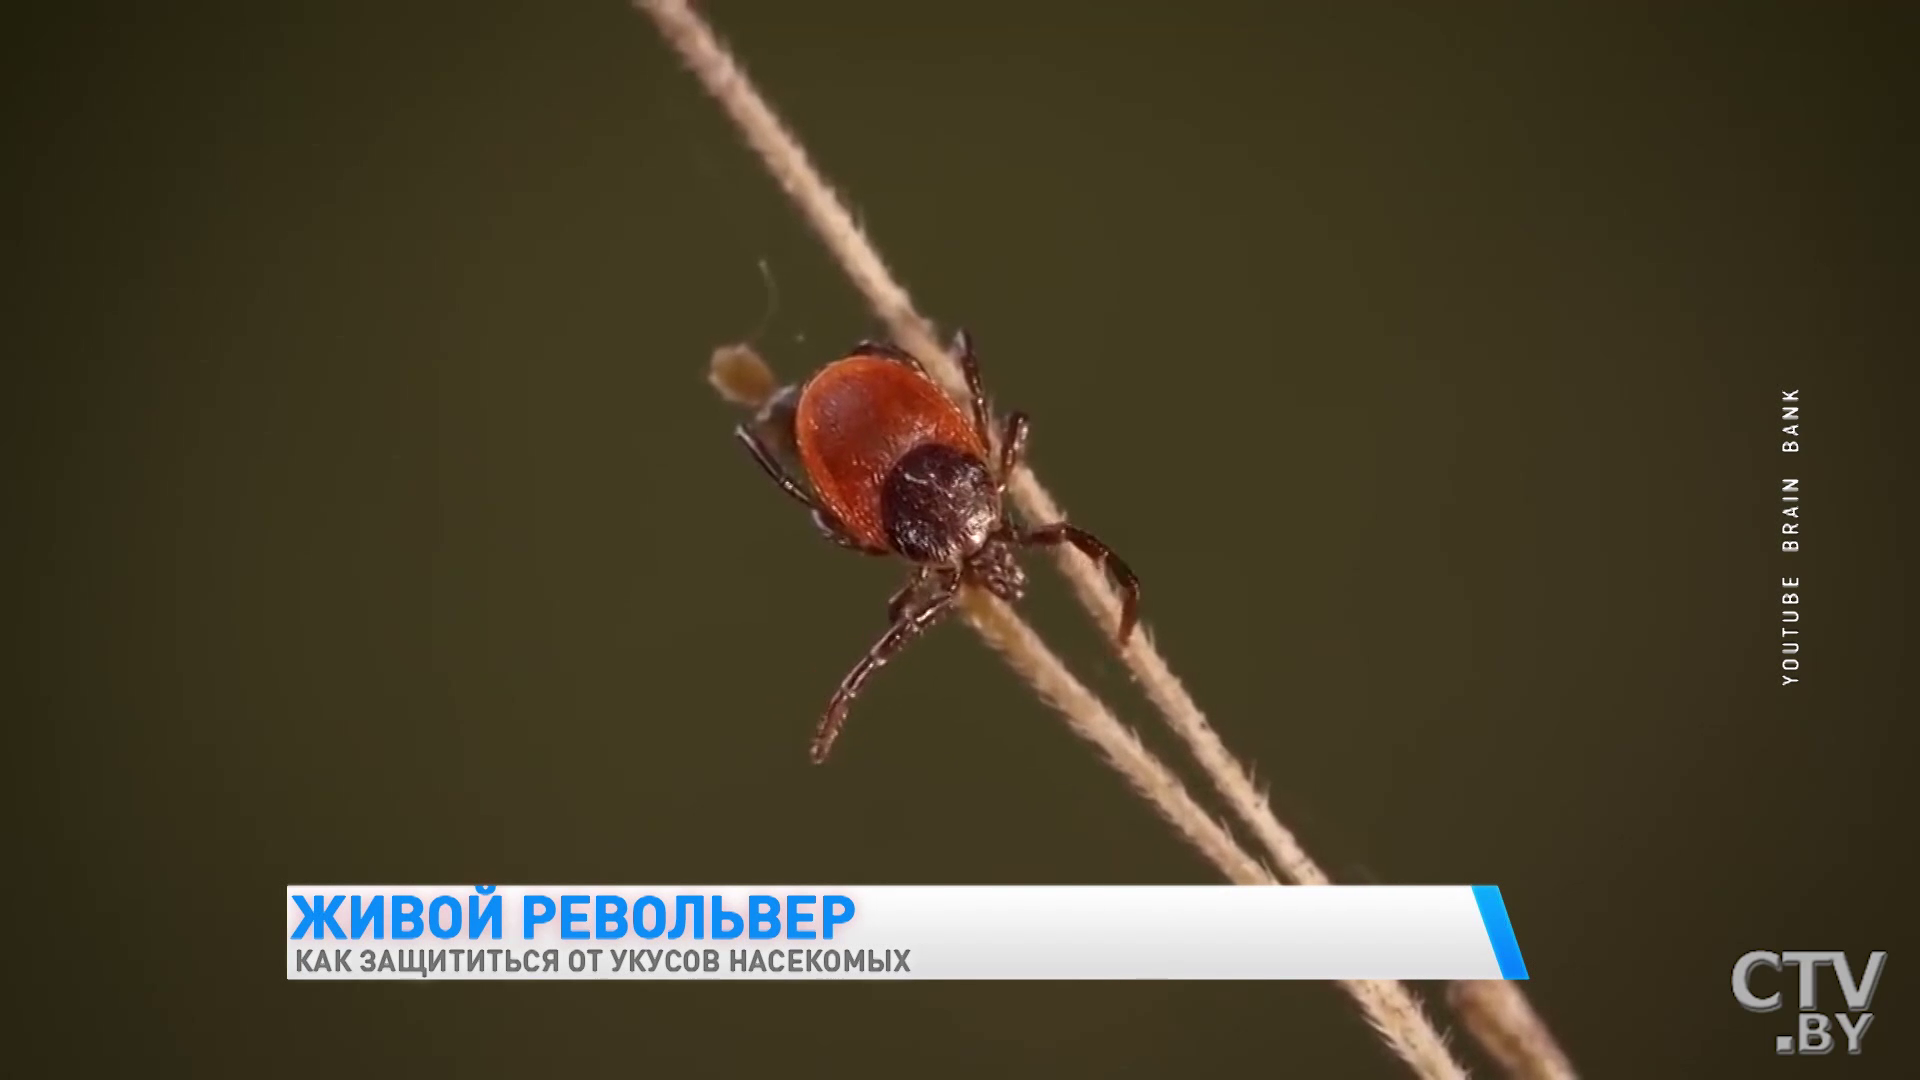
<point x="1815" y="1033"/>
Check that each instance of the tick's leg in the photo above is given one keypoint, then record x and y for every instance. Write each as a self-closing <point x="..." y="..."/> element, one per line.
<point x="942" y="580"/>
<point x="904" y="629"/>
<point x="904" y="596"/>
<point x="1101" y="554"/>
<point x="1013" y="448"/>
<point x="970" y="366"/>
<point x="889" y="350"/>
<point x="771" y="464"/>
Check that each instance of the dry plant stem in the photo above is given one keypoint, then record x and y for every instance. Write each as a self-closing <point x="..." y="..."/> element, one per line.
<point x="742" y="378"/>
<point x="822" y="208"/>
<point x="1089" y="717"/>
<point x="1388" y="1005"/>
<point x="1505" y="1024"/>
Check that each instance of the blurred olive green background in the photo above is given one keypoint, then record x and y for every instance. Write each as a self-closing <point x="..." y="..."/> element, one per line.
<point x="379" y="525"/>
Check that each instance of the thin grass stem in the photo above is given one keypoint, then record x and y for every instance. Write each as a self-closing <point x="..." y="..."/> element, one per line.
<point x="1389" y="1006"/>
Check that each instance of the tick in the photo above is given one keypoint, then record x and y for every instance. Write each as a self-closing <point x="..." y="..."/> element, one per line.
<point x="889" y="465"/>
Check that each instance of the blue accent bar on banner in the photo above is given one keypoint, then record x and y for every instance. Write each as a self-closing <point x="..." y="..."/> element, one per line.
<point x="1506" y="948"/>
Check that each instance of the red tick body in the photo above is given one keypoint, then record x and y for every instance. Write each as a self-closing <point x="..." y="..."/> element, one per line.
<point x="856" y="420"/>
<point x="889" y="465"/>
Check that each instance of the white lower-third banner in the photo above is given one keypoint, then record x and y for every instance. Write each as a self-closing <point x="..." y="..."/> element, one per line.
<point x="900" y="932"/>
